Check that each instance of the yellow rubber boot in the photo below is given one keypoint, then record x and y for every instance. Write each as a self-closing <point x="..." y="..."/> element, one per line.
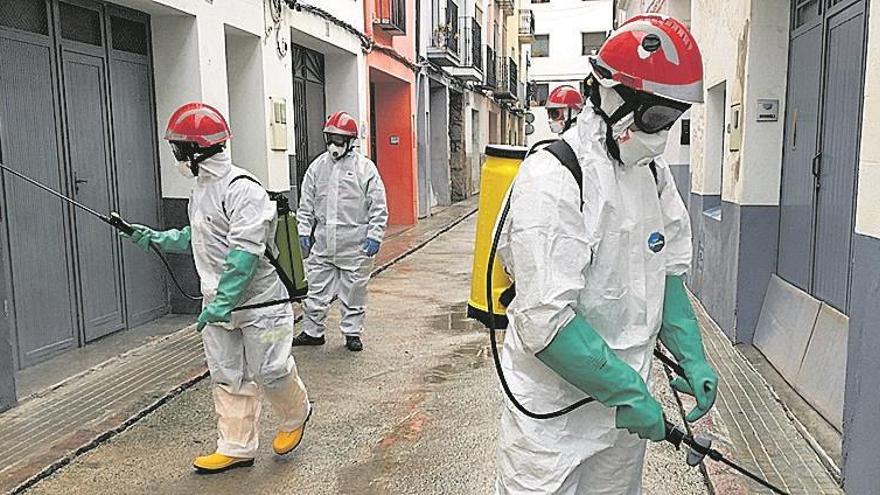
<point x="286" y="441"/>
<point x="217" y="463"/>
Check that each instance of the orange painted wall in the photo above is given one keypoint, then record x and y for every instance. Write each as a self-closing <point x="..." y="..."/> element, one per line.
<point x="395" y="116"/>
<point x="397" y="162"/>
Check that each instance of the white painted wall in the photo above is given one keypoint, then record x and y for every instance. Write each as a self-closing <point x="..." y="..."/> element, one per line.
<point x="190" y="59"/>
<point x="745" y="43"/>
<point x="758" y="179"/>
<point x="868" y="199"/>
<point x="244" y="76"/>
<point x="177" y="80"/>
<point x="718" y="28"/>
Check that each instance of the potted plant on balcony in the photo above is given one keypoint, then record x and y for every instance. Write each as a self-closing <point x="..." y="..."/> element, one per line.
<point x="445" y="36"/>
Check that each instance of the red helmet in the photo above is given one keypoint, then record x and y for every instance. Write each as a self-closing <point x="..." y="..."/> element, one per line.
<point x="341" y="123"/>
<point x="565" y="96"/>
<point x="654" y="54"/>
<point x="198" y="123"/>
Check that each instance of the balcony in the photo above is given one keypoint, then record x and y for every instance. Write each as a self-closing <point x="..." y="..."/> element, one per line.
<point x="390" y="16"/>
<point x="470" y="39"/>
<point x="491" y="69"/>
<point x="506" y="86"/>
<point x="444" y="46"/>
<point x="507" y="6"/>
<point x="526" y="26"/>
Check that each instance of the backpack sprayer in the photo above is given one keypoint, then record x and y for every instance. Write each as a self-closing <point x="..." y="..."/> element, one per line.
<point x="699" y="447"/>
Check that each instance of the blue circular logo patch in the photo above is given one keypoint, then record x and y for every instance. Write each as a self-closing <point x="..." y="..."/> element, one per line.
<point x="656" y="242"/>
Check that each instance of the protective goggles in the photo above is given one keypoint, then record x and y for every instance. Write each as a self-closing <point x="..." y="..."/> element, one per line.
<point x="183" y="151"/>
<point x="651" y="113"/>
<point x="557" y="113"/>
<point x="337" y="139"/>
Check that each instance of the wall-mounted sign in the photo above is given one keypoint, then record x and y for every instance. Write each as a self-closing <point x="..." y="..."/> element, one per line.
<point x="768" y="110"/>
<point x="395" y="140"/>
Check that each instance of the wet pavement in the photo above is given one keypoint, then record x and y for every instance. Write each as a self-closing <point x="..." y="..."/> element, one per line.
<point x="415" y="412"/>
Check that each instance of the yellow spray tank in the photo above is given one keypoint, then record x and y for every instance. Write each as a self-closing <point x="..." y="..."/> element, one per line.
<point x="502" y="164"/>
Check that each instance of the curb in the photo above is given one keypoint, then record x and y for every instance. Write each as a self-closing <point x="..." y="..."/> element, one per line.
<point x="179" y="389"/>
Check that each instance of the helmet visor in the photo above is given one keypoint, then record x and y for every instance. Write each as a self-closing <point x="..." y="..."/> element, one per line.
<point x="653" y="118"/>
<point x="556" y="113"/>
<point x="337" y="139"/>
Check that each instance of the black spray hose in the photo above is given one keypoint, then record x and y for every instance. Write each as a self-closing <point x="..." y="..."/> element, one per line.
<point x="699" y="447"/>
<point x="493" y="326"/>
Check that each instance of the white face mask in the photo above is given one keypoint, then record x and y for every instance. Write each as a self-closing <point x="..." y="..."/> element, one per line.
<point x="557" y="126"/>
<point x="184" y="169"/>
<point x="639" y="148"/>
<point x="336" y="151"/>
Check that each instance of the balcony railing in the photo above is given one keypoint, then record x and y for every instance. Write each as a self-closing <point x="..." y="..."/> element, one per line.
<point x="526" y="25"/>
<point x="506" y="85"/>
<point x="512" y="77"/>
<point x="491" y="68"/>
<point x="391" y="16"/>
<point x="445" y="37"/>
<point x="470" y="42"/>
<point x="508" y="6"/>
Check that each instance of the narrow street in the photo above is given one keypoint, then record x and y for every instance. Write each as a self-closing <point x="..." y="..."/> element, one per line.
<point x="415" y="413"/>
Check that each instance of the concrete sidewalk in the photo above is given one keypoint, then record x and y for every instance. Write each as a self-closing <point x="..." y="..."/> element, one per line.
<point x="751" y="425"/>
<point x="51" y="427"/>
<point x="416" y="413"/>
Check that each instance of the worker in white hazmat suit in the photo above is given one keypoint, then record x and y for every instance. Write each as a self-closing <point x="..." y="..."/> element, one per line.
<point x="232" y="221"/>
<point x="598" y="277"/>
<point x="341" y="219"/>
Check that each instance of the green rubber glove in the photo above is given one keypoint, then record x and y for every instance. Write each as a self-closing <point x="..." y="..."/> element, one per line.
<point x="238" y="270"/>
<point x="169" y="241"/>
<point x="582" y="358"/>
<point x="680" y="333"/>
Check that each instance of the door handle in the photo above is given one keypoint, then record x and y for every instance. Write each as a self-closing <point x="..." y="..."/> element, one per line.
<point x="817" y="167"/>
<point x="77" y="181"/>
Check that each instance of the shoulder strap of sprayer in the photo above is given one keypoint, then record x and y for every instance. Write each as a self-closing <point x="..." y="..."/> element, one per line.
<point x="566" y="156"/>
<point x="563" y="152"/>
<point x="285" y="280"/>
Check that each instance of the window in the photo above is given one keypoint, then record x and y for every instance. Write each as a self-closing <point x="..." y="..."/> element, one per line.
<point x="25" y="15"/>
<point x="541" y="45"/>
<point x="806" y="11"/>
<point x="538" y="94"/>
<point x="590" y="42"/>
<point x="80" y="24"/>
<point x="129" y="36"/>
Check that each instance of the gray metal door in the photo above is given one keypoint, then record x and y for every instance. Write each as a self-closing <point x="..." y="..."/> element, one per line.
<point x="840" y="153"/>
<point x="34" y="224"/>
<point x="826" y="67"/>
<point x="89" y="160"/>
<point x="801" y="131"/>
<point x="134" y="142"/>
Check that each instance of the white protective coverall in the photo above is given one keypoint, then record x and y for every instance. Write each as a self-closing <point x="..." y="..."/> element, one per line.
<point x="600" y="264"/>
<point x="343" y="203"/>
<point x="255" y="347"/>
